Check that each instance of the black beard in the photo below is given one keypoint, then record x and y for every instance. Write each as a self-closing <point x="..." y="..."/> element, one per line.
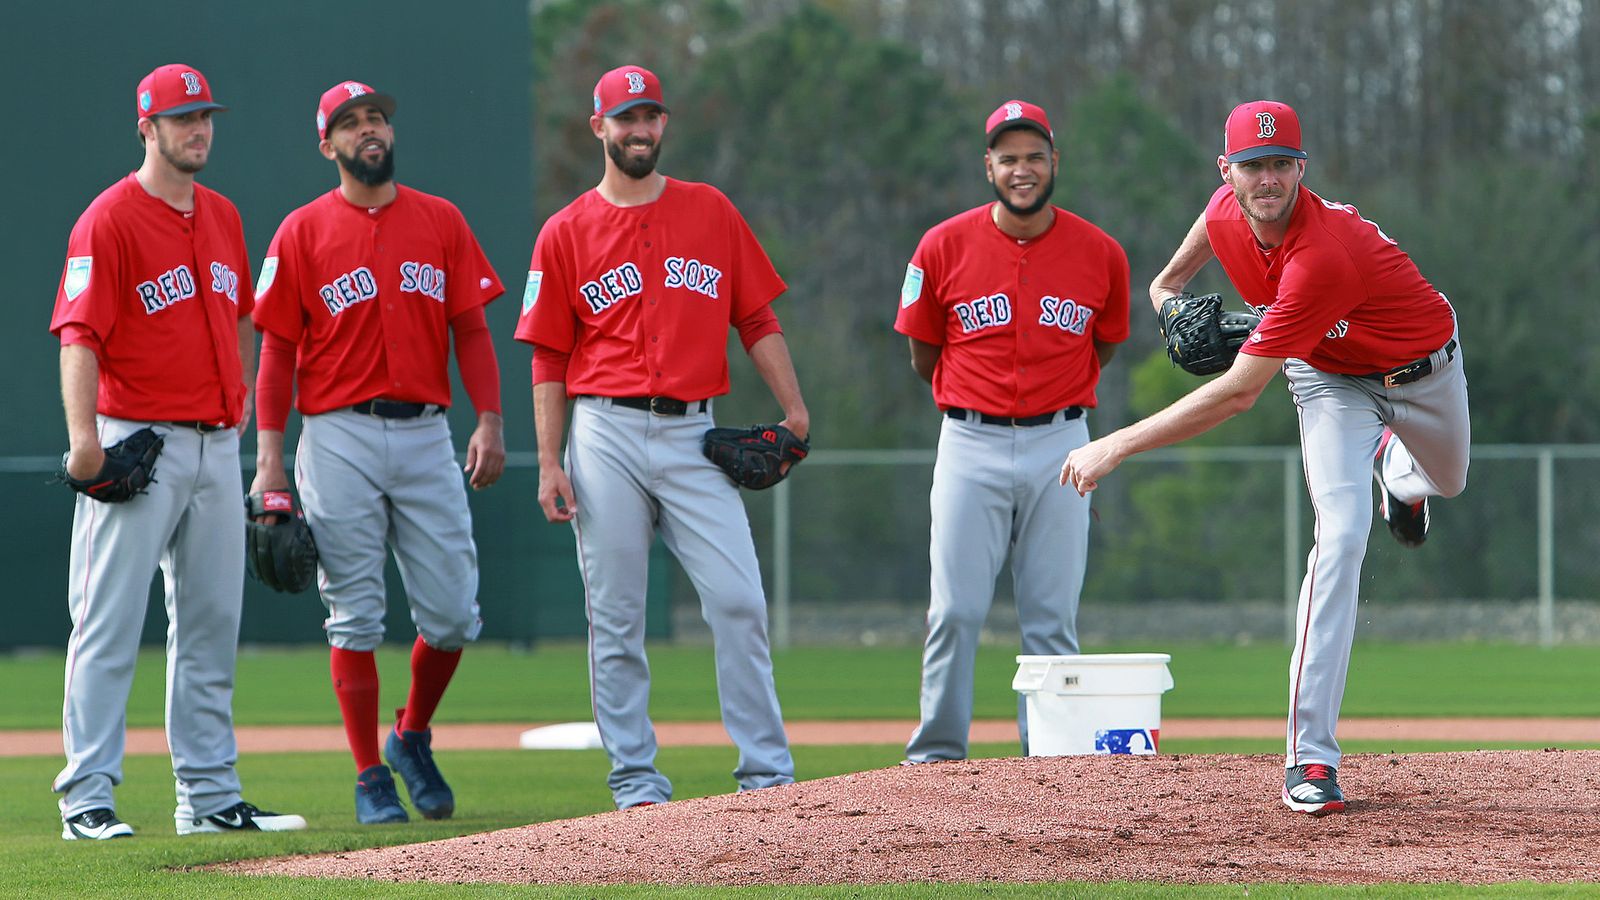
<point x="381" y="172"/>
<point x="632" y="166"/>
<point x="1030" y="209"/>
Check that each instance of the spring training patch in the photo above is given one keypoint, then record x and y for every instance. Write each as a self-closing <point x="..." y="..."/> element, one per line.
<point x="911" y="288"/>
<point x="77" y="280"/>
<point x="530" y="294"/>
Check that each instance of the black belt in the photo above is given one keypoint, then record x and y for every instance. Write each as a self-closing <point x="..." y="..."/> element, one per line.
<point x="1067" y="415"/>
<point x="661" y="406"/>
<point x="202" y="427"/>
<point x="395" y="409"/>
<point x="1412" y="371"/>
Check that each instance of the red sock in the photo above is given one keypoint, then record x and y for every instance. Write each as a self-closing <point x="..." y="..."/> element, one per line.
<point x="355" y="684"/>
<point x="431" y="671"/>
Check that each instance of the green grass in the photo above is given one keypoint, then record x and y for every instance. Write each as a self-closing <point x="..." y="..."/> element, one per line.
<point x="496" y="684"/>
<point x="501" y="789"/>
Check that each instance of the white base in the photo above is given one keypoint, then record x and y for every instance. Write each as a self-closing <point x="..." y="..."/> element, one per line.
<point x="566" y="736"/>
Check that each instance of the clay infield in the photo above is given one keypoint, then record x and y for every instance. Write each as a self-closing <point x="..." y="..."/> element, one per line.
<point x="1466" y="818"/>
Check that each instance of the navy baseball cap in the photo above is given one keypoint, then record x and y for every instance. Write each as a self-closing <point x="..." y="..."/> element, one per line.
<point x="173" y="90"/>
<point x="625" y="87"/>
<point x="1261" y="128"/>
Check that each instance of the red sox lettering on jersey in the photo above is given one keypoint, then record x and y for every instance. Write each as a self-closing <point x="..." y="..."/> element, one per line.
<point x="1017" y="321"/>
<point x="613" y="287"/>
<point x="368" y="294"/>
<point x="160" y="289"/>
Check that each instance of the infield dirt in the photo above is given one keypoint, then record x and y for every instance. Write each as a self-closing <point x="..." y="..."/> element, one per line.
<point x="1468" y="818"/>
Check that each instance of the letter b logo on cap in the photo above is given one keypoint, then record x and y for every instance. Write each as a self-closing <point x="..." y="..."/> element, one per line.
<point x="191" y="83"/>
<point x="635" y="83"/>
<point x="1269" y="125"/>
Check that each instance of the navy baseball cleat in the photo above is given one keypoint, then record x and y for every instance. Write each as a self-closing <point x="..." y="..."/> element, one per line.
<point x="377" y="801"/>
<point x="94" y="825"/>
<point x="411" y="754"/>
<point x="1313" y="789"/>
<point x="1408" y="522"/>
<point x="241" y="816"/>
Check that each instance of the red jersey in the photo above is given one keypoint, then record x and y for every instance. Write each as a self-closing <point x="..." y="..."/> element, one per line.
<point x="642" y="297"/>
<point x="368" y="295"/>
<point x="163" y="291"/>
<point x="1337" y="293"/>
<point x="1017" y="320"/>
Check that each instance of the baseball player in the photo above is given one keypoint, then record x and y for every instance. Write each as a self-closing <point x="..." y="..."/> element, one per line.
<point x="152" y="317"/>
<point x="1011" y="309"/>
<point x="360" y="293"/>
<point x="631" y="292"/>
<point x="1373" y="359"/>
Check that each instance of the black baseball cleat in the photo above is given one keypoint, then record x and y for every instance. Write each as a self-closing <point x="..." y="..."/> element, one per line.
<point x="1408" y="522"/>
<point x="1313" y="788"/>
<point x="241" y="816"/>
<point x="94" y="825"/>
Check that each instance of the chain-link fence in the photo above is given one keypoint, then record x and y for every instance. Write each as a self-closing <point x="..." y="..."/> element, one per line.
<point x="1188" y="542"/>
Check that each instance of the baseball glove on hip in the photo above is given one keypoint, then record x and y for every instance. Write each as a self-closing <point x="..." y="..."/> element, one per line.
<point x="1201" y="338"/>
<point x="281" y="555"/>
<point x="129" y="468"/>
<point x="757" y="457"/>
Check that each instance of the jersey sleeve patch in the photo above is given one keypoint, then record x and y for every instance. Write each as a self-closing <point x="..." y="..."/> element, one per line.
<point x="269" y="271"/>
<point x="911" y="289"/>
<point x="530" y="294"/>
<point x="77" y="280"/>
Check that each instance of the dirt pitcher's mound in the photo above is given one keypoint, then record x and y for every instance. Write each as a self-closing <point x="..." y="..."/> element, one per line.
<point x="1444" y="817"/>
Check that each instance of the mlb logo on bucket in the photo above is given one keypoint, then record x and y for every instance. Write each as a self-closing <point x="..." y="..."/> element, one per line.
<point x="1126" y="741"/>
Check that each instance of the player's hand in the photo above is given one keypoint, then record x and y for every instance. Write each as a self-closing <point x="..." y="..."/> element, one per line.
<point x="486" y="451"/>
<point x="84" y="463"/>
<point x="800" y="424"/>
<point x="555" y="495"/>
<point x="268" y="478"/>
<point x="1085" y="466"/>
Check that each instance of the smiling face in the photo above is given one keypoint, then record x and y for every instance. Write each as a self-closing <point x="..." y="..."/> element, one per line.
<point x="1022" y="167"/>
<point x="362" y="140"/>
<point x="632" y="138"/>
<point x="183" y="141"/>
<point x="1266" y="187"/>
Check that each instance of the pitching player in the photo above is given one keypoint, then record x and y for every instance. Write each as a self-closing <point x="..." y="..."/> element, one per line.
<point x="1011" y="309"/>
<point x="632" y="290"/>
<point x="1373" y="359"/>
<point x="152" y="317"/>
<point x="361" y="291"/>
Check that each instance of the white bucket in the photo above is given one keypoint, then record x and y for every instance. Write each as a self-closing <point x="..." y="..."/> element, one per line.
<point x="1094" y="703"/>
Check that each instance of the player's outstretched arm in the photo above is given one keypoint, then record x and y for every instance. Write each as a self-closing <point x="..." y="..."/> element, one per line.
<point x="550" y="425"/>
<point x="1191" y="256"/>
<point x="771" y="358"/>
<point x="1195" y="413"/>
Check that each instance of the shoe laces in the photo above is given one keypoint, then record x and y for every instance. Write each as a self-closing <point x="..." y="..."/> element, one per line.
<point x="94" y="818"/>
<point x="1318" y="772"/>
<point x="422" y="753"/>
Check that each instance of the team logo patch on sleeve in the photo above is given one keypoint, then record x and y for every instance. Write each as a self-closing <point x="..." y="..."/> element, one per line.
<point x="269" y="271"/>
<point x="530" y="294"/>
<point x="911" y="289"/>
<point x="77" y="280"/>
